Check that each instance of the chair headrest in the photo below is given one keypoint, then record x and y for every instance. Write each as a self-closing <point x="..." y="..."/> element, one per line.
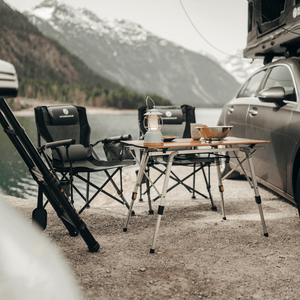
<point x="171" y="114"/>
<point x="63" y="115"/>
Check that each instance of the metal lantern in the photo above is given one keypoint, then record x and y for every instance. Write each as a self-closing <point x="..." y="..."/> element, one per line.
<point x="153" y="123"/>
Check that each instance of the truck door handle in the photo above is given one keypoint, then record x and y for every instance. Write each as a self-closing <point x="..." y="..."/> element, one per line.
<point x="231" y="109"/>
<point x="253" y="111"/>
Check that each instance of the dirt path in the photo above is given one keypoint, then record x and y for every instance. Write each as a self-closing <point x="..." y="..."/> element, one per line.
<point x="198" y="255"/>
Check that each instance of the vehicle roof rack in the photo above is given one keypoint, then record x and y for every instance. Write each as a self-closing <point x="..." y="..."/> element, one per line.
<point x="273" y="29"/>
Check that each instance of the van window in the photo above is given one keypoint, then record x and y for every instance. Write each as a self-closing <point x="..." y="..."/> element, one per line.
<point x="250" y="16"/>
<point x="271" y="10"/>
<point x="250" y="88"/>
<point x="280" y="76"/>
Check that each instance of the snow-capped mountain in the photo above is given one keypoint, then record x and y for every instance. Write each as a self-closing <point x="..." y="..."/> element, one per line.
<point x="240" y="68"/>
<point x="125" y="52"/>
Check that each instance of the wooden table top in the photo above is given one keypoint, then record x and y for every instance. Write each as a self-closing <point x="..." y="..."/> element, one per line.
<point x="184" y="143"/>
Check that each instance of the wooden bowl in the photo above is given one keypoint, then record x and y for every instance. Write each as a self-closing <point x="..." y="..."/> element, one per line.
<point x="214" y="133"/>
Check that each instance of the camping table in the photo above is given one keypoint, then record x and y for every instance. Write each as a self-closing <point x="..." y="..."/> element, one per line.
<point x="179" y="146"/>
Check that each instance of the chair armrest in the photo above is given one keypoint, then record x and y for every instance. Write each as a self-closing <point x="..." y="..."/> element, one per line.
<point x="114" y="139"/>
<point x="60" y="143"/>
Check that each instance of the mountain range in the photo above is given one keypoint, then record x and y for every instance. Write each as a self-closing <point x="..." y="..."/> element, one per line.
<point x="35" y="56"/>
<point x="126" y="53"/>
<point x="239" y="67"/>
<point x="47" y="70"/>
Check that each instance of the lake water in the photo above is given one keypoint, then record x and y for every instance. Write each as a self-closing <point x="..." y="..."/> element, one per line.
<point x="15" y="180"/>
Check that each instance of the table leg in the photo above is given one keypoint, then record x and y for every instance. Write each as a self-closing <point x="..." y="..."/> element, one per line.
<point x="256" y="191"/>
<point x="221" y="187"/>
<point x="139" y="179"/>
<point x="163" y="199"/>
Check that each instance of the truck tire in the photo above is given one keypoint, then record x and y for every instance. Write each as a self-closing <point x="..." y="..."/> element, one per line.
<point x="297" y="192"/>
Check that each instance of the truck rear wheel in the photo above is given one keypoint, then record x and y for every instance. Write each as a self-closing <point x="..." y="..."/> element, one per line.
<point x="297" y="191"/>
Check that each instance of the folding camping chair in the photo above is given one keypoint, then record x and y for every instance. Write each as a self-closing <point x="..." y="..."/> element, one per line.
<point x="179" y="118"/>
<point x="62" y="122"/>
<point x="39" y="171"/>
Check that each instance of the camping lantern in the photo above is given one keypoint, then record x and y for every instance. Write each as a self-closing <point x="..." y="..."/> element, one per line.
<point x="153" y="136"/>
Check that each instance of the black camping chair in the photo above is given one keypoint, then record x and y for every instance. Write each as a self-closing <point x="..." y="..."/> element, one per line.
<point x="179" y="118"/>
<point x="65" y="122"/>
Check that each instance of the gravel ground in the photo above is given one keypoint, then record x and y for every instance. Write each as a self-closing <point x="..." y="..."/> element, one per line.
<point x="198" y="254"/>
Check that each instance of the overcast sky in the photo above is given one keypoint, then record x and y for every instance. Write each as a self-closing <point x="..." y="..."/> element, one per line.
<point x="223" y="23"/>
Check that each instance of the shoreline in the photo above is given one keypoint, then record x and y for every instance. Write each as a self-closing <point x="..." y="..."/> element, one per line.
<point x="91" y="110"/>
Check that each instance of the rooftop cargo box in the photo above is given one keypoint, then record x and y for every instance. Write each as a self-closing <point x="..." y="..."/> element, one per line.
<point x="273" y="29"/>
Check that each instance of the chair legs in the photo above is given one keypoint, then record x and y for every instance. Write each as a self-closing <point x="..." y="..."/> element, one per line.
<point x="145" y="180"/>
<point x="151" y="211"/>
<point x="208" y="186"/>
<point x="194" y="182"/>
<point x="180" y="182"/>
<point x="70" y="187"/>
<point x="88" y="187"/>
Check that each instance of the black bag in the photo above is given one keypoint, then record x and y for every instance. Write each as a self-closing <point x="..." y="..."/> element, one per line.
<point x="115" y="150"/>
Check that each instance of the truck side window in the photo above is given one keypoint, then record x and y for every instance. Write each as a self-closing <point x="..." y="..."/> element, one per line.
<point x="251" y="86"/>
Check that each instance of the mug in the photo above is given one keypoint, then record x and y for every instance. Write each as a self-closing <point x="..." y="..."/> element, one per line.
<point x="195" y="133"/>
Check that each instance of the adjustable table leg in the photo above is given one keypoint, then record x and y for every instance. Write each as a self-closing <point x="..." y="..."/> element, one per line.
<point x="256" y="191"/>
<point x="221" y="187"/>
<point x="163" y="199"/>
<point x="139" y="179"/>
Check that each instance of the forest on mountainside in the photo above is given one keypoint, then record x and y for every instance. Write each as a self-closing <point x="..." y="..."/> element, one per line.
<point x="120" y="97"/>
<point x="46" y="70"/>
